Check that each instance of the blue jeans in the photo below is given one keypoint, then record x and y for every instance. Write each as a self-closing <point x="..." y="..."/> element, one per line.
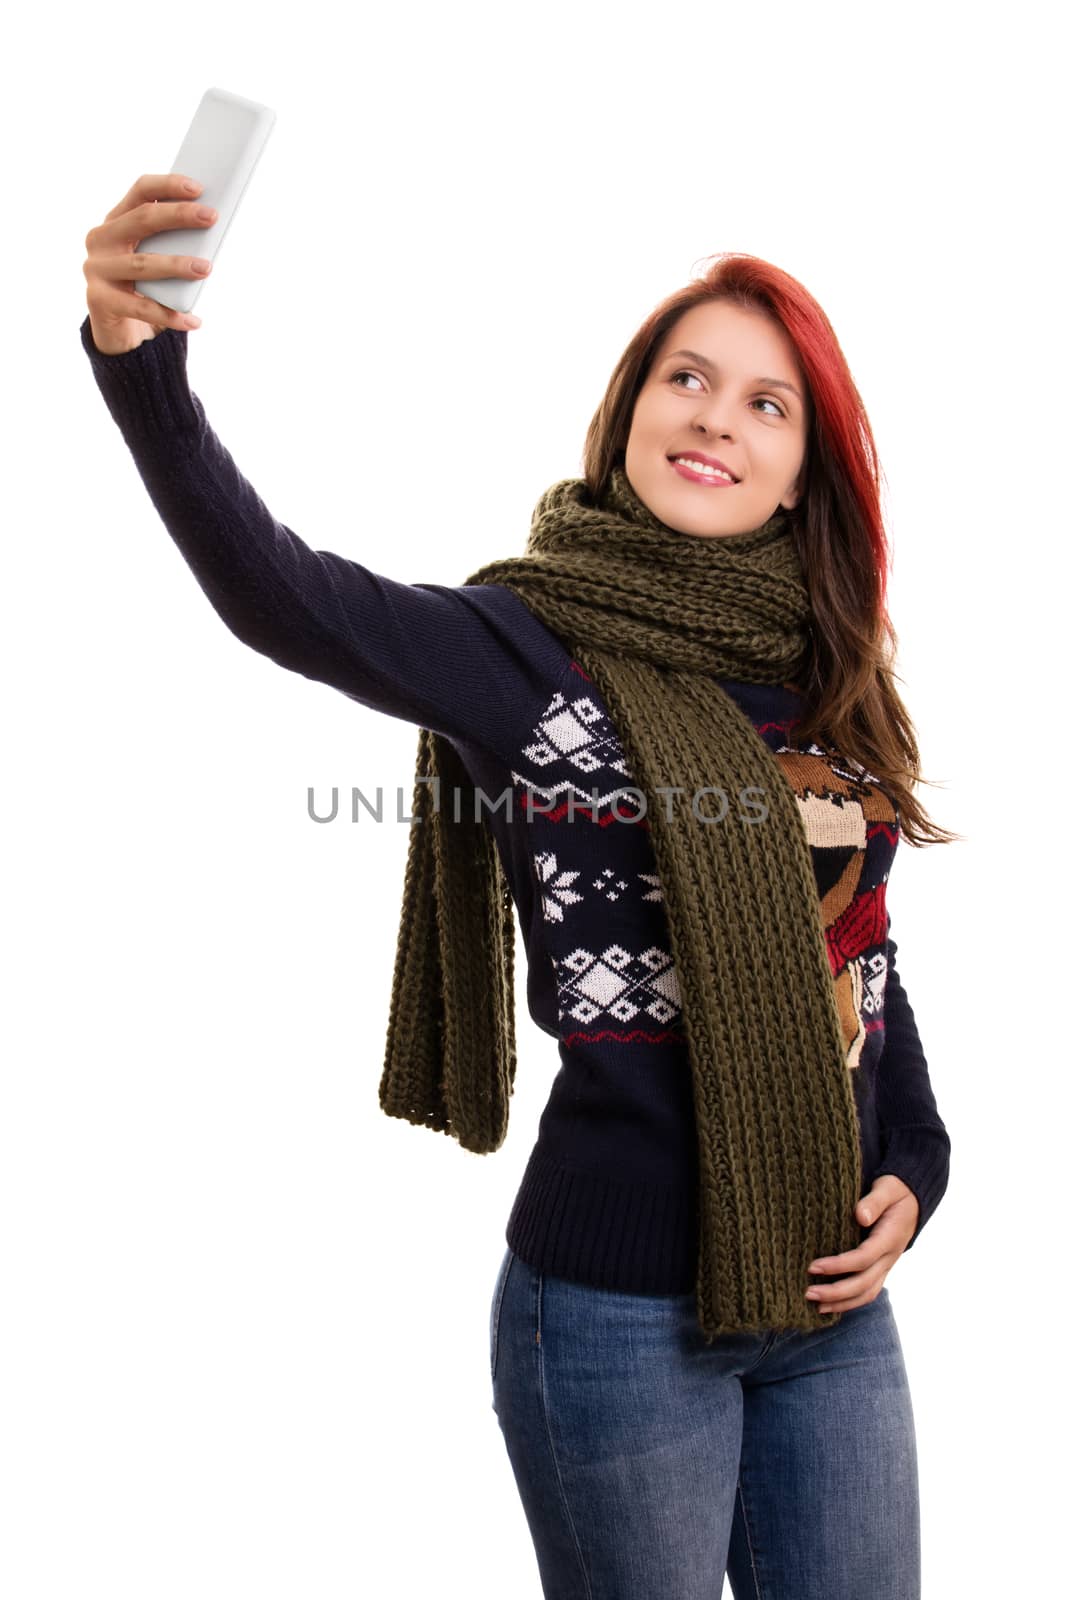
<point x="651" y="1464"/>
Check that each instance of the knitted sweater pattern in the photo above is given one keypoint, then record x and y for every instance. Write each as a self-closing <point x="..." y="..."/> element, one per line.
<point x="598" y="917"/>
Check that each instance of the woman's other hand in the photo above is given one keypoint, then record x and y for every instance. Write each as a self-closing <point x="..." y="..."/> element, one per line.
<point x="894" y="1211"/>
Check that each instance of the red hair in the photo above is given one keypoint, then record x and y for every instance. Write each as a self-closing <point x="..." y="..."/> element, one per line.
<point x="838" y="526"/>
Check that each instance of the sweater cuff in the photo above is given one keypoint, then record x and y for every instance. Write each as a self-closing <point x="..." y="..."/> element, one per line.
<point x="146" y="389"/>
<point x="919" y="1156"/>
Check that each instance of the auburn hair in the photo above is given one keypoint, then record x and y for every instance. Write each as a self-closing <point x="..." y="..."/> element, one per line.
<point x="853" y="705"/>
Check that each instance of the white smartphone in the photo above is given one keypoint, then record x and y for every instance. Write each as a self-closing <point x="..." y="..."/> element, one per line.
<point x="225" y="140"/>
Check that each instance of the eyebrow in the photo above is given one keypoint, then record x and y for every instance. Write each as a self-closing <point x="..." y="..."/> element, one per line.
<point x="712" y="366"/>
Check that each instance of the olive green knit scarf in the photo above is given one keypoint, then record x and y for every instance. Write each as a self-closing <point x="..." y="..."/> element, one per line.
<point x="653" y="616"/>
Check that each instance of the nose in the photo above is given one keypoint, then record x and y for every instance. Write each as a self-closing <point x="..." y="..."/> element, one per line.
<point x="712" y="417"/>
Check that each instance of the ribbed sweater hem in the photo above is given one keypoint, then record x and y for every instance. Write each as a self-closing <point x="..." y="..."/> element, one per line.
<point x="607" y="1232"/>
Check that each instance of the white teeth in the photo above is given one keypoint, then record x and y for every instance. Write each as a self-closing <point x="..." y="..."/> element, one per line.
<point x="702" y="466"/>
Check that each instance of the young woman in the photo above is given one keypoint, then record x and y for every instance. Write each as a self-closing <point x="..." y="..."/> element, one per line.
<point x="667" y="737"/>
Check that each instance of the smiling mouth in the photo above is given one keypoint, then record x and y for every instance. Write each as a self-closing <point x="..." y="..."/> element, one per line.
<point x="695" y="472"/>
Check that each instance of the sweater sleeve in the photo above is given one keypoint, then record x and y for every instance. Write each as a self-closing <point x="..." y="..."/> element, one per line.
<point x="462" y="661"/>
<point x="915" y="1144"/>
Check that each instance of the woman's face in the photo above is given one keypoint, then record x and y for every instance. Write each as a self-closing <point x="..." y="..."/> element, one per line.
<point x="710" y="394"/>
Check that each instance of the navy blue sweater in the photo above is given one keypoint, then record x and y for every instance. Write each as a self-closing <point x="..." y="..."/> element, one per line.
<point x="609" y="1195"/>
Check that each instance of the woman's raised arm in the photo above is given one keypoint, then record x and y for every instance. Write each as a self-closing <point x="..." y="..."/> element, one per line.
<point x="466" y="661"/>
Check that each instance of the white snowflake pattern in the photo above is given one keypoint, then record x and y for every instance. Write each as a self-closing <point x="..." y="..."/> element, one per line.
<point x="613" y="888"/>
<point x="556" y="885"/>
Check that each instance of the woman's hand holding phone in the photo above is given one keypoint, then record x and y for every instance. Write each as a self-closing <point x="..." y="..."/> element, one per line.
<point x="119" y="317"/>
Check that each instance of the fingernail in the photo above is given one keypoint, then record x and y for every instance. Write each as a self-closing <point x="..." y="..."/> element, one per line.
<point x="207" y="213"/>
<point x="190" y="187"/>
<point x="812" y="1294"/>
<point x="817" y="1266"/>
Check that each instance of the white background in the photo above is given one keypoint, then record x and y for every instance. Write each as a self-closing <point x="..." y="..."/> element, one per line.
<point x="244" y="1326"/>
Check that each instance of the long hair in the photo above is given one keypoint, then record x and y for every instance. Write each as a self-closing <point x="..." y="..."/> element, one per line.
<point x="852" y="703"/>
